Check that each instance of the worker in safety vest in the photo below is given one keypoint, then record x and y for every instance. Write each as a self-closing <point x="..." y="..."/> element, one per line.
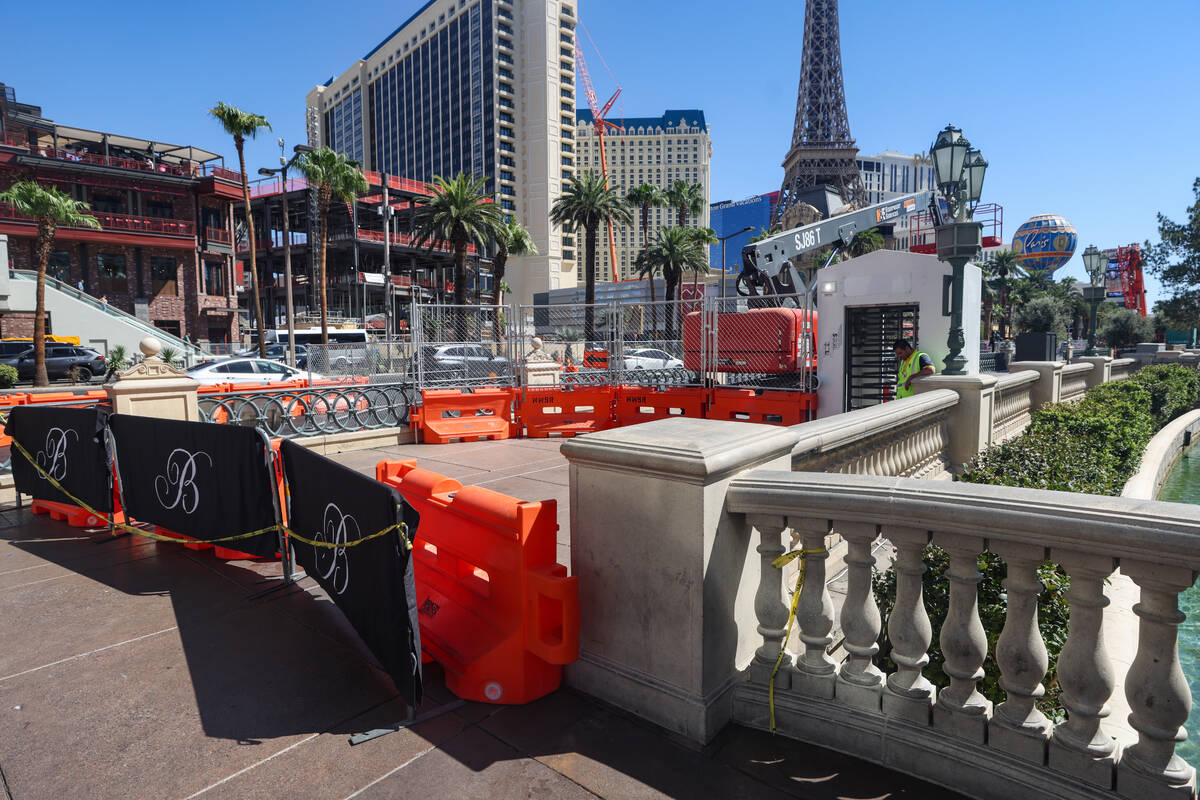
<point x="911" y="363"/>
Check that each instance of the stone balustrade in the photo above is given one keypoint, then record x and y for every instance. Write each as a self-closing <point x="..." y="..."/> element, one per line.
<point x="906" y="437"/>
<point x="1122" y="368"/>
<point x="953" y="735"/>
<point x="1014" y="405"/>
<point x="1074" y="381"/>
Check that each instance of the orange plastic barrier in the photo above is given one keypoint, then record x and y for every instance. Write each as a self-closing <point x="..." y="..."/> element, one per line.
<point x="638" y="404"/>
<point x="495" y="607"/>
<point x="54" y="397"/>
<point x="450" y="414"/>
<point x="566" y="412"/>
<point x="768" y="407"/>
<point x="74" y="516"/>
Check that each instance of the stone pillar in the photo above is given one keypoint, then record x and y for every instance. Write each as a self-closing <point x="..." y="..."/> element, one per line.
<point x="1101" y="369"/>
<point x="1049" y="384"/>
<point x="667" y="577"/>
<point x="970" y="420"/>
<point x="538" y="368"/>
<point x="154" y="388"/>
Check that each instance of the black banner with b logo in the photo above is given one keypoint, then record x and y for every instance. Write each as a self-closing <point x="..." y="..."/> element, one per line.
<point x="202" y="480"/>
<point x="372" y="583"/>
<point x="66" y="444"/>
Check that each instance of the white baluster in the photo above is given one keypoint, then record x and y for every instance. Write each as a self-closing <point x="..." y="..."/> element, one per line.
<point x="1159" y="699"/>
<point x="1081" y="746"/>
<point x="769" y="604"/>
<point x="859" y="682"/>
<point x="814" y="669"/>
<point x="1018" y="727"/>
<point x="908" y="693"/>
<point x="960" y="707"/>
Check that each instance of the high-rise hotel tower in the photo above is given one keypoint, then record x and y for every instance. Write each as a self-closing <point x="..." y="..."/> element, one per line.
<point x="477" y="86"/>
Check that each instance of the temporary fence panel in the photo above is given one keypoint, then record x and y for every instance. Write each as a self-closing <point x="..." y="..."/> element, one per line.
<point x="448" y="415"/>
<point x="756" y="342"/>
<point x="387" y="361"/>
<point x="567" y="411"/>
<point x="205" y="481"/>
<point x="579" y="343"/>
<point x="650" y="345"/>
<point x="369" y="579"/>
<point x="495" y="607"/>
<point x="457" y="346"/>
<point x="64" y="446"/>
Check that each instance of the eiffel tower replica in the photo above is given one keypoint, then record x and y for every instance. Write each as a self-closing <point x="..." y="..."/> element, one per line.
<point x="822" y="152"/>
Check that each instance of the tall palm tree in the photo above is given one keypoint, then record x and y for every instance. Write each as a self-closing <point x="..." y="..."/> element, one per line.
<point x="51" y="208"/>
<point x="335" y="176"/>
<point x="240" y="124"/>
<point x="587" y="202"/>
<point x="673" y="252"/>
<point x="1004" y="267"/>
<point x="645" y="197"/>
<point x="648" y="270"/>
<point x="511" y="240"/>
<point x="704" y="237"/>
<point x="686" y="198"/>
<point x="864" y="242"/>
<point x="460" y="212"/>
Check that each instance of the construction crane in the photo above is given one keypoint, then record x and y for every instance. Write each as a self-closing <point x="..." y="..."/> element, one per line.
<point x="600" y="124"/>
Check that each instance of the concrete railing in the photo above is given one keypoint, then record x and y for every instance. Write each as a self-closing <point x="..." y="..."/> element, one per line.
<point x="1013" y="405"/>
<point x="1074" y="381"/>
<point x="952" y="735"/>
<point x="1123" y="368"/>
<point x="906" y="437"/>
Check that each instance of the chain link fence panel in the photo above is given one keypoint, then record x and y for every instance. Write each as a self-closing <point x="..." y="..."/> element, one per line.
<point x="462" y="346"/>
<point x="759" y="342"/>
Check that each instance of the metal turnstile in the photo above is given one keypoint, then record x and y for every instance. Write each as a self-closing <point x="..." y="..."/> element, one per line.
<point x="870" y="364"/>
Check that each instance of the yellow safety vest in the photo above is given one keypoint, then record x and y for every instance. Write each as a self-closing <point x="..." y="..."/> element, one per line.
<point x="910" y="366"/>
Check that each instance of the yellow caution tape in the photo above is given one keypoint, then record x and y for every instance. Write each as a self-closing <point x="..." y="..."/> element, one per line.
<point x="780" y="563"/>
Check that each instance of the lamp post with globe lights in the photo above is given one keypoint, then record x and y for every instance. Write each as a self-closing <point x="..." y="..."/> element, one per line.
<point x="959" y="170"/>
<point x="1094" y="262"/>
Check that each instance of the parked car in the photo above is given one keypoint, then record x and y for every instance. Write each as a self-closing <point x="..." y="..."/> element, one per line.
<point x="246" y="370"/>
<point x="455" y="361"/>
<point x="651" y="358"/>
<point x="80" y="364"/>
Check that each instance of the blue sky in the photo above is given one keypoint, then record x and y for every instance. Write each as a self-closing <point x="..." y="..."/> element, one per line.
<point x="1083" y="108"/>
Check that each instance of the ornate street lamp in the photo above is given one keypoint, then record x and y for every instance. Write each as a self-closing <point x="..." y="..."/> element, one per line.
<point x="959" y="171"/>
<point x="1094" y="262"/>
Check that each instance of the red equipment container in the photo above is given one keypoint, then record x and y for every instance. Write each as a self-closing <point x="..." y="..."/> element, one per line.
<point x="762" y="341"/>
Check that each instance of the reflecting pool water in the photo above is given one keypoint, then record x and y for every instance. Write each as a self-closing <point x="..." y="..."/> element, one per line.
<point x="1183" y="486"/>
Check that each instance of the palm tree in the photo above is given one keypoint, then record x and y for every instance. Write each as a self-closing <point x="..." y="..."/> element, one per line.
<point x="511" y="240"/>
<point x="335" y="176"/>
<point x="645" y="197"/>
<point x="460" y="212"/>
<point x="240" y="124"/>
<point x="674" y="251"/>
<point x="1004" y="267"/>
<point x="686" y="198"/>
<point x="704" y="237"/>
<point x="51" y="208"/>
<point x="864" y="242"/>
<point x="648" y="271"/>
<point x="587" y="202"/>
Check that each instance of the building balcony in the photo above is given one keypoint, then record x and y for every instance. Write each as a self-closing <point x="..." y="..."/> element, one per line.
<point x="183" y="169"/>
<point x="219" y="237"/>
<point x="117" y="223"/>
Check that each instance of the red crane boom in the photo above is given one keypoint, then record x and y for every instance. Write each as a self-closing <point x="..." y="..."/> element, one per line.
<point x="600" y="123"/>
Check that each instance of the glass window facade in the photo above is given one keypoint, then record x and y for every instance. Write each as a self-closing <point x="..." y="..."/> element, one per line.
<point x="433" y="112"/>
<point x="343" y="126"/>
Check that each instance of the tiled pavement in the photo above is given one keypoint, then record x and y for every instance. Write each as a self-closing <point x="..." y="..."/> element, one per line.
<point x="131" y="669"/>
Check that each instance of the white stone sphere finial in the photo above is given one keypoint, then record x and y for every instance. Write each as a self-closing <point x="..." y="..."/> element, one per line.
<point x="537" y="343"/>
<point x="150" y="346"/>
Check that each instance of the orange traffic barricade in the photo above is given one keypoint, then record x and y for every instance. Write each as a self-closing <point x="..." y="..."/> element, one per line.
<point x="566" y="412"/>
<point x="447" y="415"/>
<point x="640" y="404"/>
<point x="76" y="516"/>
<point x="496" y="610"/>
<point x="764" y="406"/>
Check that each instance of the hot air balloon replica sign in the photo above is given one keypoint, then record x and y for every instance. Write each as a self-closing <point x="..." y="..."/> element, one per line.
<point x="1044" y="243"/>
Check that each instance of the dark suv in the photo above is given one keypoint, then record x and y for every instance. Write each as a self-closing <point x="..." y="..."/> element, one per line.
<point x="80" y="364"/>
<point x="453" y="362"/>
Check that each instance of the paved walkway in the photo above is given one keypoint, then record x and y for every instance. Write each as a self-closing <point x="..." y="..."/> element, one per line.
<point x="132" y="669"/>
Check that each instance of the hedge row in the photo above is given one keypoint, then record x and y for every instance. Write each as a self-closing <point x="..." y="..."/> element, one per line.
<point x="1093" y="446"/>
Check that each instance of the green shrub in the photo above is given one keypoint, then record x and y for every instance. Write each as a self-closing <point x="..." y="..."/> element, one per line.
<point x="993" y="604"/>
<point x="1043" y="314"/>
<point x="1125" y="327"/>
<point x="8" y="376"/>
<point x="1174" y="389"/>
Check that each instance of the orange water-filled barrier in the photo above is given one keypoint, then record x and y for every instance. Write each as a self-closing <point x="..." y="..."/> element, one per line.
<point x="565" y="412"/>
<point x="447" y="415"/>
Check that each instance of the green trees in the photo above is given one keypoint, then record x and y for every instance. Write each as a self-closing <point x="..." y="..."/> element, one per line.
<point x="1125" y="327"/>
<point x="51" y="208"/>
<point x="645" y="197"/>
<point x="1042" y="314"/>
<point x="673" y="252"/>
<point x="586" y="203"/>
<point x="704" y="237"/>
<point x="1175" y="260"/>
<point x="240" y="124"/>
<point x="335" y="176"/>
<point x="686" y="198"/>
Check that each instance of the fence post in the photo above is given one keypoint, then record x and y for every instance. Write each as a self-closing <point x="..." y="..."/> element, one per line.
<point x="1049" y="384"/>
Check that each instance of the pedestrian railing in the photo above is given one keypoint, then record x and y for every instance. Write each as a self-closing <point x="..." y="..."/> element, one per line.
<point x="312" y="411"/>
